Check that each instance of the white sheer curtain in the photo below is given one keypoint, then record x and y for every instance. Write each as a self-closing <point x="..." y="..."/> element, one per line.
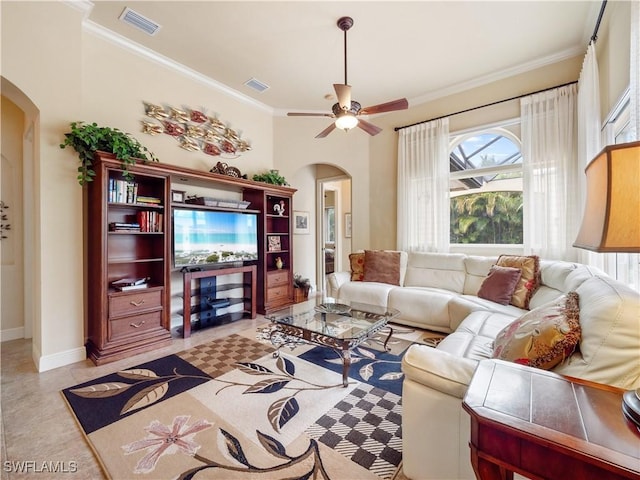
<point x="634" y="80"/>
<point x="423" y="187"/>
<point x="551" y="195"/>
<point x="589" y="135"/>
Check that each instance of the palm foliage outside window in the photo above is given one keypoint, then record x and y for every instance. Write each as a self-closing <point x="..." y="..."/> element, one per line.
<point x="486" y="201"/>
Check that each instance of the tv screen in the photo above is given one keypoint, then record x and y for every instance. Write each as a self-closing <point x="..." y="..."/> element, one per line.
<point x="206" y="237"/>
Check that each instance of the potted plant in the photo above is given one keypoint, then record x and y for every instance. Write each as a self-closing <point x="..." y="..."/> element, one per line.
<point x="301" y="287"/>
<point x="272" y="176"/>
<point x="86" y="138"/>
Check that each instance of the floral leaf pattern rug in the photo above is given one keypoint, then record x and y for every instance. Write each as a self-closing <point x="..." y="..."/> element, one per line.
<point x="230" y="409"/>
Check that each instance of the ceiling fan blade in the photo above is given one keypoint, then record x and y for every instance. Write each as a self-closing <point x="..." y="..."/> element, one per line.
<point x="302" y="114"/>
<point x="400" y="104"/>
<point x="370" y="128"/>
<point x="326" y="131"/>
<point x="343" y="92"/>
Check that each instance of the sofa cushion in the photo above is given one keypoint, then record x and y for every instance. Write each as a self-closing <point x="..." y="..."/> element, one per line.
<point x="529" y="281"/>
<point x="436" y="270"/>
<point x="543" y="337"/>
<point x="423" y="307"/>
<point x="500" y="284"/>
<point x="372" y="293"/>
<point x="477" y="269"/>
<point x="356" y="260"/>
<point x="382" y="266"/>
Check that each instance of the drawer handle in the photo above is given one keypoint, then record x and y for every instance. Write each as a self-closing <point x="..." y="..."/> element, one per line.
<point x="138" y="325"/>
<point x="136" y="304"/>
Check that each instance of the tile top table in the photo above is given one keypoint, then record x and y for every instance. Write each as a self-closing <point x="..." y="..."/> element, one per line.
<point x="543" y="425"/>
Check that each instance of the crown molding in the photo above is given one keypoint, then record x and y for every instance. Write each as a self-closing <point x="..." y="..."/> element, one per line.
<point x="125" y="43"/>
<point x="496" y="76"/>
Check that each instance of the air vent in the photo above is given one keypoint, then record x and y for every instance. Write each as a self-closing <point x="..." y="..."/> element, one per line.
<point x="139" y="21"/>
<point x="257" y="85"/>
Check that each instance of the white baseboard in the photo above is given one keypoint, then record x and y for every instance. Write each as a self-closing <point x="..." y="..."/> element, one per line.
<point x="49" y="362"/>
<point x="11" y="334"/>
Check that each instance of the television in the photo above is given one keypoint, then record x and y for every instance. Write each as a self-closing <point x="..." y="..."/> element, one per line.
<point x="209" y="237"/>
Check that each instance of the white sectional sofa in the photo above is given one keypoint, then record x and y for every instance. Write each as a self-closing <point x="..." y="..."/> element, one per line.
<point x="438" y="292"/>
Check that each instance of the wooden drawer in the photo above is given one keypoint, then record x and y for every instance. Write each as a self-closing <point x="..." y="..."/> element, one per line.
<point x="277" y="293"/>
<point x="134" y="325"/>
<point x="279" y="277"/>
<point x="134" y="302"/>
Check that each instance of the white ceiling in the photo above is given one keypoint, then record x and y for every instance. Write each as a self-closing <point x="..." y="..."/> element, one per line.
<point x="416" y="49"/>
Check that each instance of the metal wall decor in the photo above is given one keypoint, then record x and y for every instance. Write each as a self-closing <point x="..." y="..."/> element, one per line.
<point x="3" y="218"/>
<point x="194" y="131"/>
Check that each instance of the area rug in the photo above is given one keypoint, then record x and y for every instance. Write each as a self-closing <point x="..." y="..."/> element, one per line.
<point x="230" y="409"/>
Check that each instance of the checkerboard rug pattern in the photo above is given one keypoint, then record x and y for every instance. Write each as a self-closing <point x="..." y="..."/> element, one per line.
<point x="366" y="426"/>
<point x="219" y="357"/>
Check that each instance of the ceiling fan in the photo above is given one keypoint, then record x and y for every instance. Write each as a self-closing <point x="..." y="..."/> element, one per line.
<point x="347" y="111"/>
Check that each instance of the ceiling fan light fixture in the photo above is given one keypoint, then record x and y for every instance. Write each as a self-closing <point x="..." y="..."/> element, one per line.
<point x="346" y="121"/>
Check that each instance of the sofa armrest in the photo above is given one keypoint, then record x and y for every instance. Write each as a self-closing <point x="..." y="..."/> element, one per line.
<point x="438" y="369"/>
<point x="335" y="280"/>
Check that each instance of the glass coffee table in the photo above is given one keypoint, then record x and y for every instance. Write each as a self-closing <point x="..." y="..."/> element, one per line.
<point x="340" y="326"/>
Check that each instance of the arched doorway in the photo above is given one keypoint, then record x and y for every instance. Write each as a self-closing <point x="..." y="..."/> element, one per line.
<point x="17" y="250"/>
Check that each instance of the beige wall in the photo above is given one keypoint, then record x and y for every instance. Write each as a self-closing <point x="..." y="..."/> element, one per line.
<point x="71" y="74"/>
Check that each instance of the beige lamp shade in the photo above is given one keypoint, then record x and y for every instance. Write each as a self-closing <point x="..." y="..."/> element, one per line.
<point x="611" y="220"/>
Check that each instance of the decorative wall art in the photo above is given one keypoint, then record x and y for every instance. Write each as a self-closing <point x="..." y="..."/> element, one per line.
<point x="194" y="131"/>
<point x="301" y="222"/>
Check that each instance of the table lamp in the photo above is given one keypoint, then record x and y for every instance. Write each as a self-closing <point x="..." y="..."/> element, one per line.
<point x="611" y="220"/>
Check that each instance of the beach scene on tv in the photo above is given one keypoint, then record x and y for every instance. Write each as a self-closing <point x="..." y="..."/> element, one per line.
<point x="202" y="237"/>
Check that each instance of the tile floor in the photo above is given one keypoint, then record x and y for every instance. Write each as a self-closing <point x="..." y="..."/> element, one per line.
<point x="37" y="430"/>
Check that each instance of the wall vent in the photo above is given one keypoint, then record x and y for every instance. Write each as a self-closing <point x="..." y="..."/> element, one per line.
<point x="256" y="84"/>
<point x="138" y="21"/>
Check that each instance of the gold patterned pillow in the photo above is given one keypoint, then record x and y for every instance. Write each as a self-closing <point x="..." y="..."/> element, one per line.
<point x="357" y="266"/>
<point x="543" y="337"/>
<point x="529" y="280"/>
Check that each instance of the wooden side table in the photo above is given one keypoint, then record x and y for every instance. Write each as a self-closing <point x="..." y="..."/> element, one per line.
<point x="546" y="426"/>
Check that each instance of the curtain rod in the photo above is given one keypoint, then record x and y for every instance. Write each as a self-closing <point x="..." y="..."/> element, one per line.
<point x="594" y="37"/>
<point x="485" y="105"/>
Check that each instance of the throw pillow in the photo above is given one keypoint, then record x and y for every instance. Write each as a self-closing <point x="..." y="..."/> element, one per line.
<point x="529" y="280"/>
<point x="357" y="266"/>
<point x="499" y="284"/>
<point x="382" y="266"/>
<point x="543" y="337"/>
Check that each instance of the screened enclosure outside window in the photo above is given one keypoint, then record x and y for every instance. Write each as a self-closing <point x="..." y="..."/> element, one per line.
<point x="486" y="203"/>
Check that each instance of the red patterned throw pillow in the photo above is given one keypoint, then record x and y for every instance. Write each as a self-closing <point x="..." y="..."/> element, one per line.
<point x="543" y="337"/>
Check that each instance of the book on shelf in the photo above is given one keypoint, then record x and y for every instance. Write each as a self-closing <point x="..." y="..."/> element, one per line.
<point x="150" y="221"/>
<point x="122" y="191"/>
<point x="121" y="226"/>
<point x="147" y="199"/>
<point x="130" y="281"/>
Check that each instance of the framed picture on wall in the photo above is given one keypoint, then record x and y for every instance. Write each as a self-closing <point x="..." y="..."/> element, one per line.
<point x="273" y="243"/>
<point x="300" y="222"/>
<point x="347" y="225"/>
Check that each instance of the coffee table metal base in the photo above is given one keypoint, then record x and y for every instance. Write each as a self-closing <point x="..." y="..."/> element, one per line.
<point x="282" y="335"/>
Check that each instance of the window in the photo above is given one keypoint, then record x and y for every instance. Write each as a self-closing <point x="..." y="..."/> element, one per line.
<point x="486" y="188"/>
<point x="623" y="266"/>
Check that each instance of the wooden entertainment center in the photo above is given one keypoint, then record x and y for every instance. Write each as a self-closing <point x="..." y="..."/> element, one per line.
<point x="129" y="235"/>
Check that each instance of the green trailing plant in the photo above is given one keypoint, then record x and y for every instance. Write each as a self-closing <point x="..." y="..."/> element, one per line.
<point x="272" y="176"/>
<point x="87" y="138"/>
